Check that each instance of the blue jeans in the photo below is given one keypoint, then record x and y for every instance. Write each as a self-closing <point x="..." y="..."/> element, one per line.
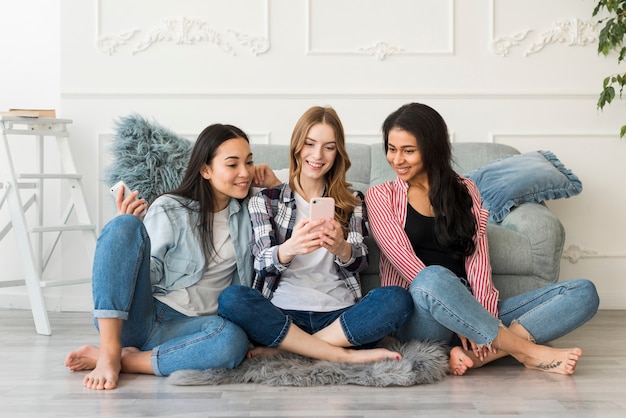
<point x="444" y="308"/>
<point x="381" y="312"/>
<point x="121" y="289"/>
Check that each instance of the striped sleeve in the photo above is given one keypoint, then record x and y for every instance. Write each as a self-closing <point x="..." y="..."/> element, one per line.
<point x="386" y="209"/>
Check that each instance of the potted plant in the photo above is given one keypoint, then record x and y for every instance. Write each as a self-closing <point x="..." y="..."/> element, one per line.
<point x="611" y="38"/>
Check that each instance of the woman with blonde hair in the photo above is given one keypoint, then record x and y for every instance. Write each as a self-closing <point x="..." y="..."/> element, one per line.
<point x="306" y="296"/>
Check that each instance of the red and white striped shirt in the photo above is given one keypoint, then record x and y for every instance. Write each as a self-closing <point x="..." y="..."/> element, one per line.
<point x="386" y="208"/>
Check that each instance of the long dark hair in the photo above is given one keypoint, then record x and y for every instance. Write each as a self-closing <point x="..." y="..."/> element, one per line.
<point x="337" y="186"/>
<point x="455" y="225"/>
<point x="194" y="187"/>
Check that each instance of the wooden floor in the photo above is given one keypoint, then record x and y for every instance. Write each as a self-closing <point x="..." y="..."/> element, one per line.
<point x="34" y="383"/>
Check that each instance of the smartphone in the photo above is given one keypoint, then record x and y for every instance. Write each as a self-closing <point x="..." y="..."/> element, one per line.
<point x="322" y="208"/>
<point x="116" y="187"/>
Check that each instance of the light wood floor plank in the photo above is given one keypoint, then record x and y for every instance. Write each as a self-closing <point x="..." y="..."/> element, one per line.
<point x="34" y="382"/>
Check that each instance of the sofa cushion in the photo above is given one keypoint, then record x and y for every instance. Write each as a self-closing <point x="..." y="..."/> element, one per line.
<point x="530" y="177"/>
<point x="147" y="156"/>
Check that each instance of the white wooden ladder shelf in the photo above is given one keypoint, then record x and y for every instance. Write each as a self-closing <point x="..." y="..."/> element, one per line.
<point x="24" y="192"/>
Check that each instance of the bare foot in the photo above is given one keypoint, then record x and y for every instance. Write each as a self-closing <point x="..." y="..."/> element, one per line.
<point x="106" y="373"/>
<point x="263" y="351"/>
<point x="370" y="355"/>
<point x="459" y="361"/>
<point x="554" y="360"/>
<point x="84" y="358"/>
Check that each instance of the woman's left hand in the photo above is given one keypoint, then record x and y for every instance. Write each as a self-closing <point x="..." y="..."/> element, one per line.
<point x="332" y="239"/>
<point x="264" y="176"/>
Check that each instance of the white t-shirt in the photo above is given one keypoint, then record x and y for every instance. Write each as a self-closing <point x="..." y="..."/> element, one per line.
<point x="201" y="298"/>
<point x="311" y="282"/>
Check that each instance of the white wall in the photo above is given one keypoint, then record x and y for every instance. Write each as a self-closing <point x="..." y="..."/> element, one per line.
<point x="29" y="78"/>
<point x="520" y="72"/>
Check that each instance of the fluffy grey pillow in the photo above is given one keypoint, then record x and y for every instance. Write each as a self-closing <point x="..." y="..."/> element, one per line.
<point x="147" y="156"/>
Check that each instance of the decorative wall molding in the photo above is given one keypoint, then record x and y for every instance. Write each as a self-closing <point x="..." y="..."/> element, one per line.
<point x="502" y="46"/>
<point x="381" y="49"/>
<point x="571" y="31"/>
<point x="182" y="30"/>
<point x="574" y="253"/>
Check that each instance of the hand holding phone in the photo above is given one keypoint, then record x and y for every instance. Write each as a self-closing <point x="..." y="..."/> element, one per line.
<point x="116" y="187"/>
<point x="121" y="185"/>
<point x="322" y="208"/>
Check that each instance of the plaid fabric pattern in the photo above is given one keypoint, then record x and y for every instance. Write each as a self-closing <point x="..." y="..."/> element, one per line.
<point x="273" y="216"/>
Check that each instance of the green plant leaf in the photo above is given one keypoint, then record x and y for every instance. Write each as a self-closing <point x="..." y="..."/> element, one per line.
<point x="611" y="38"/>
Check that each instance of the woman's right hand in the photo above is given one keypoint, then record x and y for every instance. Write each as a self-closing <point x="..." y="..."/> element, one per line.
<point x="302" y="241"/>
<point x="131" y="205"/>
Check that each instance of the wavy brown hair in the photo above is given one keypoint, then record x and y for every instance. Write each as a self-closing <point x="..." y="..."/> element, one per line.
<point x="337" y="186"/>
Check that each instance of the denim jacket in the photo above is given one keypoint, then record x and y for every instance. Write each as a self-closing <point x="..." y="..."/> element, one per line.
<point x="176" y="258"/>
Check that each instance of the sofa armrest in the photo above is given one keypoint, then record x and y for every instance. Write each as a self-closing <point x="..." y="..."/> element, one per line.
<point x="527" y="243"/>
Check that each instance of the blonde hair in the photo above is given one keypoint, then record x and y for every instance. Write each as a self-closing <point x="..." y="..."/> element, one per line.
<point x="336" y="185"/>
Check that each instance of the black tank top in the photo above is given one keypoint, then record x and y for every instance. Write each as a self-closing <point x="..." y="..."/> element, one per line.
<point x="420" y="230"/>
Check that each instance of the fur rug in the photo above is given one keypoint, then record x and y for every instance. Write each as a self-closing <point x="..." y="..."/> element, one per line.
<point x="421" y="363"/>
<point x="147" y="156"/>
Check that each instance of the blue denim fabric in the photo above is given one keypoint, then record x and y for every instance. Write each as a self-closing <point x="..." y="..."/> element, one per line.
<point x="552" y="311"/>
<point x="444" y="308"/>
<point x="121" y="289"/>
<point x="381" y="312"/>
<point x="531" y="177"/>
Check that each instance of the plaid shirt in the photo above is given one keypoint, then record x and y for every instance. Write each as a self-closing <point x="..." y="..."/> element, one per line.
<point x="273" y="215"/>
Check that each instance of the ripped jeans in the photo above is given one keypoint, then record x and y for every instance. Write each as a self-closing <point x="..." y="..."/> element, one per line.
<point x="445" y="308"/>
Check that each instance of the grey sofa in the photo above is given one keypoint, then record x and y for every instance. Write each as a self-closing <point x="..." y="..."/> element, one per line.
<point x="525" y="248"/>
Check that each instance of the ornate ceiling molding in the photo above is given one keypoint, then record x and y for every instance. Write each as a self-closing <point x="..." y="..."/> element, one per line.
<point x="182" y="30"/>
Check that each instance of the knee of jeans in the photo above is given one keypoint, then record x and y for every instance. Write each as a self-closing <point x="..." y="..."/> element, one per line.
<point x="397" y="298"/>
<point x="124" y="227"/>
<point x="588" y="294"/>
<point x="403" y="301"/>
<point x="431" y="281"/>
<point x="127" y="222"/>
<point x="230" y="297"/>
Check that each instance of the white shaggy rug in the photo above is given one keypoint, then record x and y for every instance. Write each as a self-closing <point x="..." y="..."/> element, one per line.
<point x="422" y="362"/>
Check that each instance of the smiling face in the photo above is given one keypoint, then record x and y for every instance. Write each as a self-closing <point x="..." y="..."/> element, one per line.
<point x="404" y="155"/>
<point x="318" y="152"/>
<point x="231" y="171"/>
